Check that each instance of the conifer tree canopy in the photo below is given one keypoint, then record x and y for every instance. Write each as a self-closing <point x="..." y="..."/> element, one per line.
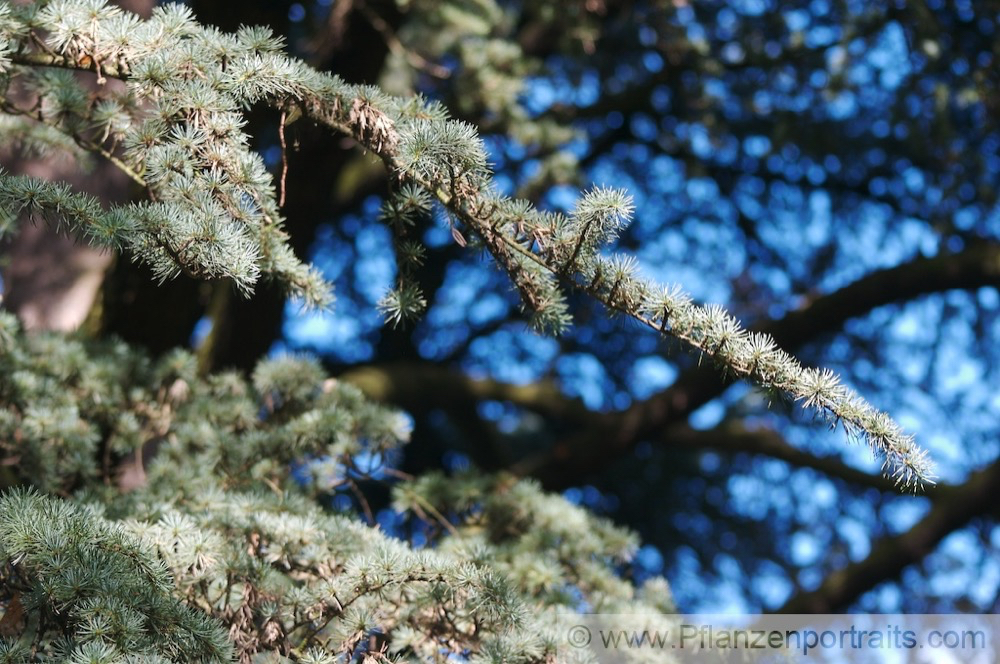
<point x="556" y="260"/>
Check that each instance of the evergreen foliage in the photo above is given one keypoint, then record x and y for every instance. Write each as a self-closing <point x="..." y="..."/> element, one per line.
<point x="214" y="212"/>
<point x="222" y="549"/>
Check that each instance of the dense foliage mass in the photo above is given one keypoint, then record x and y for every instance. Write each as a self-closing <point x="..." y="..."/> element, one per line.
<point x="223" y="550"/>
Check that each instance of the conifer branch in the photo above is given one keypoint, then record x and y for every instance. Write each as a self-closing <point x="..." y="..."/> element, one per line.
<point x="221" y="554"/>
<point x="198" y="79"/>
<point x="709" y="330"/>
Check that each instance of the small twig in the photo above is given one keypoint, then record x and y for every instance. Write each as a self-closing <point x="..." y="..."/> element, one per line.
<point x="365" y="507"/>
<point x="273" y="486"/>
<point x="284" y="157"/>
<point x="433" y="511"/>
<point x="393" y="472"/>
<point x="84" y="143"/>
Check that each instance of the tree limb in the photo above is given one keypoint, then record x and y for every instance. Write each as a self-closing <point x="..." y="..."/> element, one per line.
<point x="952" y="509"/>
<point x="419" y="387"/>
<point x="615" y="434"/>
<point x="733" y="437"/>
<point x="602" y="437"/>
